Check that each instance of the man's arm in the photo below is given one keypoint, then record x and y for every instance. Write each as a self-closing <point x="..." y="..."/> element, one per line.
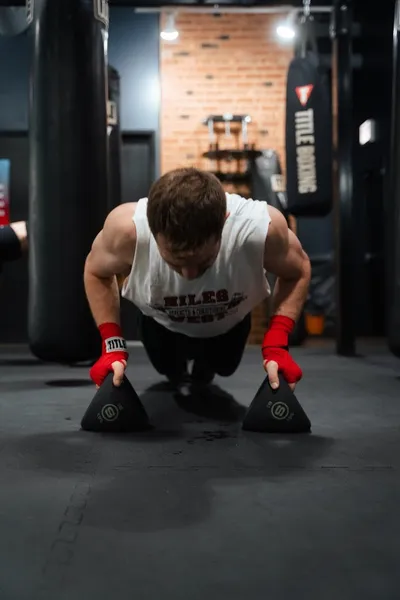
<point x="112" y="254"/>
<point x="285" y="258"/>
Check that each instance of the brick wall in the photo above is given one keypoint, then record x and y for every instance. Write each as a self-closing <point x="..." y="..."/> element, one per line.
<point x="219" y="64"/>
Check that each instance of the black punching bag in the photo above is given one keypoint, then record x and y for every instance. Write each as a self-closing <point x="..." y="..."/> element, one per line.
<point x="309" y="137"/>
<point x="68" y="174"/>
<point x="267" y="182"/>
<point x="393" y="202"/>
<point x="114" y="138"/>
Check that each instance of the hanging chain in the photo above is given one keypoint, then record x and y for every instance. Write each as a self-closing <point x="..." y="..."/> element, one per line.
<point x="307" y="7"/>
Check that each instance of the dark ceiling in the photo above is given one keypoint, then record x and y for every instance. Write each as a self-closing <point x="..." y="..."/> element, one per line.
<point x="210" y="3"/>
<point x="368" y="11"/>
<point x="160" y="3"/>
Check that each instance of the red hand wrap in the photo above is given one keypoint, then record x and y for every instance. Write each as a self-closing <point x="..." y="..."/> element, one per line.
<point x="275" y="347"/>
<point x="113" y="349"/>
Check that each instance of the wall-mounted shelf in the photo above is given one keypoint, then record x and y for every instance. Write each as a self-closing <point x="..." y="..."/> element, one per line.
<point x="227" y="119"/>
<point x="242" y="154"/>
<point x="228" y="154"/>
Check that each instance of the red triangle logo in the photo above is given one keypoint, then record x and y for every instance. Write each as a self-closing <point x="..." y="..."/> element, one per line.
<point x="304" y="92"/>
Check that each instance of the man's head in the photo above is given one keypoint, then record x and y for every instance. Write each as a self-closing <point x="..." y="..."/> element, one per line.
<point x="186" y="212"/>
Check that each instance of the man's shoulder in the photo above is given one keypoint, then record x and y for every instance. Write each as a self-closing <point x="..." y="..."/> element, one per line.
<point x="248" y="208"/>
<point x="119" y="226"/>
<point x="234" y="199"/>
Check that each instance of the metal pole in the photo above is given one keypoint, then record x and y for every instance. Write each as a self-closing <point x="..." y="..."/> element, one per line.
<point x="392" y="245"/>
<point x="218" y="9"/>
<point x="342" y="85"/>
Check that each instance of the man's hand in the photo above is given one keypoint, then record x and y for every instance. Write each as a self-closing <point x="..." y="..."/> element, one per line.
<point x="276" y="355"/>
<point x="272" y="369"/>
<point x="118" y="368"/>
<point x="114" y="355"/>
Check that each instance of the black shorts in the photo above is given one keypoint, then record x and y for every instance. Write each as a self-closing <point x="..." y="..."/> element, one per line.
<point x="169" y="351"/>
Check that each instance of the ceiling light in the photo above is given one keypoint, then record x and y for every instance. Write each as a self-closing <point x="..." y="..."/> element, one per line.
<point x="169" y="32"/>
<point x="287" y="29"/>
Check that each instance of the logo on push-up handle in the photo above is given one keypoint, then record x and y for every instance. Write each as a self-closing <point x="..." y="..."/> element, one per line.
<point x="280" y="411"/>
<point x="110" y="412"/>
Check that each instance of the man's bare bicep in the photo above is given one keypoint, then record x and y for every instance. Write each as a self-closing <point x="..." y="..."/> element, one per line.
<point x="284" y="255"/>
<point x="113" y="249"/>
<point x="102" y="262"/>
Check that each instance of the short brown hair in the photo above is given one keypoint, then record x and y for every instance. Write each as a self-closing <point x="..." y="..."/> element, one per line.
<point x="188" y="207"/>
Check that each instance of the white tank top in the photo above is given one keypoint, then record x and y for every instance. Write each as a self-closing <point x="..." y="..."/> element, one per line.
<point x="215" y="302"/>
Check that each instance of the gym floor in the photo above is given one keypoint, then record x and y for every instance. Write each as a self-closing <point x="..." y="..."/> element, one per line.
<point x="198" y="509"/>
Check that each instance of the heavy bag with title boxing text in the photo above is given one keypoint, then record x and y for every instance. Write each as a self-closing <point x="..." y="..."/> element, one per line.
<point x="308" y="139"/>
<point x="68" y="174"/>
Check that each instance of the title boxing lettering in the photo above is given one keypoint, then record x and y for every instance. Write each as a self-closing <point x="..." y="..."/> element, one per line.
<point x="115" y="344"/>
<point x="305" y="152"/>
<point x="207" y="307"/>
